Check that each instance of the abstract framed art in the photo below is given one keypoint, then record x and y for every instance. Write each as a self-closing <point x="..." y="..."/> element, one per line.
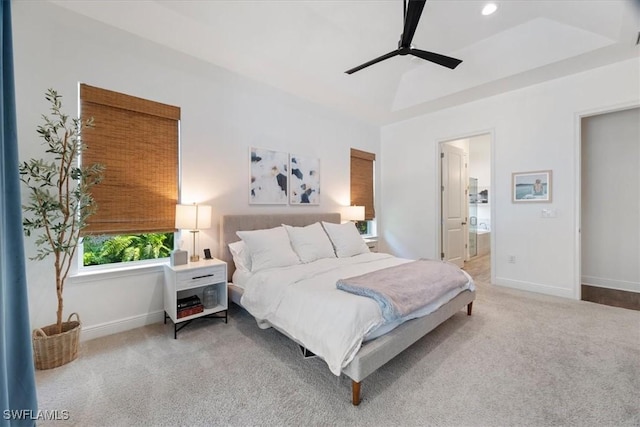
<point x="528" y="187"/>
<point x="268" y="184"/>
<point x="304" y="180"/>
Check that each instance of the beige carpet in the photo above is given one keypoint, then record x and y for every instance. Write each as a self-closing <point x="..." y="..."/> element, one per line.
<point x="522" y="359"/>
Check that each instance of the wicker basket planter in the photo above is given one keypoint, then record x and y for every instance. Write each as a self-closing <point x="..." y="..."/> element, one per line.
<point x="52" y="349"/>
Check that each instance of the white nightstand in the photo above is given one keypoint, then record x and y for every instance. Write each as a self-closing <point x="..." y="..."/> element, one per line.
<point x="183" y="281"/>
<point x="372" y="243"/>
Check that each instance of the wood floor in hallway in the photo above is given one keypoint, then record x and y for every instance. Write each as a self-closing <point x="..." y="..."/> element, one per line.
<point x="479" y="268"/>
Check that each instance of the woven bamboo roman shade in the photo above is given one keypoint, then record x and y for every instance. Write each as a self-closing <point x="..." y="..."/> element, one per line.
<point x="362" y="181"/>
<point x="137" y="142"/>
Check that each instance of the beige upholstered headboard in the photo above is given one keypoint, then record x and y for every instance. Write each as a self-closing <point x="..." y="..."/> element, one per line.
<point x="229" y="224"/>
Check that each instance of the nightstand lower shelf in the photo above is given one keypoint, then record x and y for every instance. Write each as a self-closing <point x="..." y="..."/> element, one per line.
<point x="185" y="321"/>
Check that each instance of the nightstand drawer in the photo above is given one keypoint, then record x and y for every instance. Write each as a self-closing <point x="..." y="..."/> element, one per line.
<point x="200" y="277"/>
<point x="372" y="244"/>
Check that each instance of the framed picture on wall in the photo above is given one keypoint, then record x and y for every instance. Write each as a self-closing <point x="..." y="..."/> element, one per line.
<point x="268" y="180"/>
<point x="528" y="187"/>
<point x="304" y="180"/>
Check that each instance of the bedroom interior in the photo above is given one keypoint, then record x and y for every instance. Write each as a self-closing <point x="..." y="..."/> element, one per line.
<point x="522" y="359"/>
<point x="534" y="352"/>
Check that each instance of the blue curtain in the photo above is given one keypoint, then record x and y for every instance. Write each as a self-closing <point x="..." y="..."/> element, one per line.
<point x="18" y="401"/>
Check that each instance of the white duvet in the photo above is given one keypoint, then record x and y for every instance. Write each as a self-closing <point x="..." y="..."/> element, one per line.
<point x="303" y="302"/>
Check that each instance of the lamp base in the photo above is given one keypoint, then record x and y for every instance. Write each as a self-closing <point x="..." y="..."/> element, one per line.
<point x="194" y="258"/>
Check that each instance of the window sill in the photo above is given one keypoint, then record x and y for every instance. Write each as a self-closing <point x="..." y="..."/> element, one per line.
<point x="98" y="273"/>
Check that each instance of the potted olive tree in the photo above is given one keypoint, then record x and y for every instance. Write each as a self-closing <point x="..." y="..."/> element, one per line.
<point x="59" y="203"/>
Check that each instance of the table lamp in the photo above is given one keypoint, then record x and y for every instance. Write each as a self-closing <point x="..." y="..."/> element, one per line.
<point x="193" y="218"/>
<point x="353" y="213"/>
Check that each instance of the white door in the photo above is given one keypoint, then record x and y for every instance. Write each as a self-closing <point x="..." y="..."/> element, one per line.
<point x="454" y="204"/>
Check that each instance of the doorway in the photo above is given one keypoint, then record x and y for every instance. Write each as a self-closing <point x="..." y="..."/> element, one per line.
<point x="465" y="203"/>
<point x="610" y="208"/>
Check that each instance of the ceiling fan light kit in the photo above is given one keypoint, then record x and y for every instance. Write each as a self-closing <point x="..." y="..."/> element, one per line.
<point x="412" y="13"/>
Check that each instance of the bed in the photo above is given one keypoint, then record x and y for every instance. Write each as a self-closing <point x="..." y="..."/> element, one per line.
<point x="379" y="346"/>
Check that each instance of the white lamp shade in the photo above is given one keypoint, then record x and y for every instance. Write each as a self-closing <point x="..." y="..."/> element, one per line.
<point x="353" y="213"/>
<point x="193" y="217"/>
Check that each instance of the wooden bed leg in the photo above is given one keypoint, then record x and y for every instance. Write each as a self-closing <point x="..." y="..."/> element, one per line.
<point x="355" y="393"/>
<point x="469" y="308"/>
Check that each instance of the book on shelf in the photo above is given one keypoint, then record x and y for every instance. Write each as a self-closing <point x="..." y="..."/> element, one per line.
<point x="188" y="301"/>
<point x="195" y="309"/>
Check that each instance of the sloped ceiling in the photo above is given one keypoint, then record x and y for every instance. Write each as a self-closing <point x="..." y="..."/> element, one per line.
<point x="304" y="47"/>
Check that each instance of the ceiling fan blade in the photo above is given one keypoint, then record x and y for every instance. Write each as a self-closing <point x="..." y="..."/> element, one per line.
<point x="445" y="61"/>
<point x="373" y="61"/>
<point x="411" y="19"/>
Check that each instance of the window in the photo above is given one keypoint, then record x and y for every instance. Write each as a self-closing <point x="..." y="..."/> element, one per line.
<point x="99" y="250"/>
<point x="138" y="143"/>
<point x="362" y="187"/>
<point x="364" y="227"/>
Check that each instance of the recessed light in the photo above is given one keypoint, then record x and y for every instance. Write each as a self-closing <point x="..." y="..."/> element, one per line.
<point x="489" y="8"/>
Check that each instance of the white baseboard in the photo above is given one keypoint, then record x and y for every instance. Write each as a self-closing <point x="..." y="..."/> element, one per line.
<point x="120" y="325"/>
<point x="536" y="287"/>
<point x="603" y="282"/>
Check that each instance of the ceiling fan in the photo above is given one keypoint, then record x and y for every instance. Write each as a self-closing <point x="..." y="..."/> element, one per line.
<point x="412" y="13"/>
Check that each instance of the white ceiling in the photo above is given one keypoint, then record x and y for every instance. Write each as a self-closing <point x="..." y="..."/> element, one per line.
<point x="304" y="47"/>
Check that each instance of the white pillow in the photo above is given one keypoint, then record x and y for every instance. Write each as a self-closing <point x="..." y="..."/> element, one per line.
<point x="346" y="239"/>
<point x="269" y="248"/>
<point x="241" y="255"/>
<point x="310" y="242"/>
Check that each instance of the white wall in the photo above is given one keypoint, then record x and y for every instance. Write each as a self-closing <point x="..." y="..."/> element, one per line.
<point x="223" y="114"/>
<point x="610" y="221"/>
<point x="480" y="168"/>
<point x="533" y="129"/>
<point x="480" y="159"/>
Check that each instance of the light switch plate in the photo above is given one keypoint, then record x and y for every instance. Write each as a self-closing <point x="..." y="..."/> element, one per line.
<point x="549" y="213"/>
